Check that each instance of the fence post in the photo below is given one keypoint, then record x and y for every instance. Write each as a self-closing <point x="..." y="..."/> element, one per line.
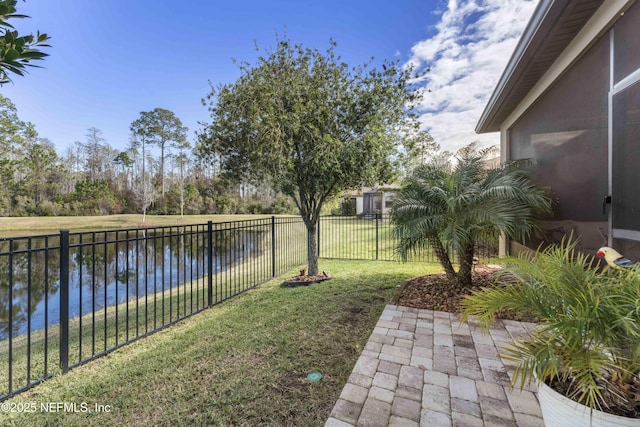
<point x="210" y="262"/>
<point x="64" y="300"/>
<point x="377" y="234"/>
<point x="273" y="246"/>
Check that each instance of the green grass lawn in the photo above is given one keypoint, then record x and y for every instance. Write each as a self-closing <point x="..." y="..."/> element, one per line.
<point x="99" y="332"/>
<point x="243" y="362"/>
<point x="360" y="238"/>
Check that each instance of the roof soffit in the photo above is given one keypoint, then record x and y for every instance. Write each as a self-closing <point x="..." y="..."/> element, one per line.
<point x="552" y="27"/>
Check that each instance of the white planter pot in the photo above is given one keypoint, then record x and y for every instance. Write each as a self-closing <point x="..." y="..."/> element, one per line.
<point x="559" y="411"/>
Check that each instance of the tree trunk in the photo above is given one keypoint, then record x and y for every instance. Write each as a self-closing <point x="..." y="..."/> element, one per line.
<point x="312" y="247"/>
<point x="443" y="258"/>
<point x="162" y="173"/>
<point x="466" y="265"/>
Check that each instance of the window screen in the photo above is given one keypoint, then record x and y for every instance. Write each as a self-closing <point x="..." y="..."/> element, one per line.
<point x="626" y="158"/>
<point x="626" y="37"/>
<point x="565" y="133"/>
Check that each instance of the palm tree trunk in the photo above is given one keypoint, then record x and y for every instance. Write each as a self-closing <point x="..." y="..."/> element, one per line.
<point x="443" y="257"/>
<point x="466" y="265"/>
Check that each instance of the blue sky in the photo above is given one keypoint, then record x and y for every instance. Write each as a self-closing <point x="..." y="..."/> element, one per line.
<point x="112" y="59"/>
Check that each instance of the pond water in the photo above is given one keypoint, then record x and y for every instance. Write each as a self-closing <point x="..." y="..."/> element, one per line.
<point x="107" y="272"/>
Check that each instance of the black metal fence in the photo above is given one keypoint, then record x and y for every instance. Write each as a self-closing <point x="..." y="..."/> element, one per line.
<point x="69" y="298"/>
<point x="371" y="238"/>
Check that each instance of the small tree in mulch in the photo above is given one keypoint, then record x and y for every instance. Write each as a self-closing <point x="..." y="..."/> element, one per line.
<point x="452" y="204"/>
<point x="310" y="126"/>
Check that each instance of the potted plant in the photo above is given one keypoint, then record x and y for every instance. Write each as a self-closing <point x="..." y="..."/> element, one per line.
<point x="585" y="355"/>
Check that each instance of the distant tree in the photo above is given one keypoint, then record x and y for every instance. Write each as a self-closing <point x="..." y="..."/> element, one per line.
<point x="206" y="162"/>
<point x="29" y="165"/>
<point x="14" y="134"/>
<point x="75" y="157"/>
<point x="133" y="152"/>
<point x="420" y="147"/>
<point x="143" y="188"/>
<point x="162" y="128"/>
<point x="16" y="51"/>
<point x="97" y="154"/>
<point x="124" y="160"/>
<point x="310" y="125"/>
<point x="93" y="197"/>
<point x="43" y="169"/>
<point x="144" y="194"/>
<point x="181" y="160"/>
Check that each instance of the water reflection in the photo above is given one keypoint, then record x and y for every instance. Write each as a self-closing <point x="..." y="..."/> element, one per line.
<point x="107" y="268"/>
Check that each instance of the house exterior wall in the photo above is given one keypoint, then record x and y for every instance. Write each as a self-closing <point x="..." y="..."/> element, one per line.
<point x="377" y="202"/>
<point x="359" y="205"/>
<point x="597" y="26"/>
<point x="566" y="133"/>
<point x="564" y="124"/>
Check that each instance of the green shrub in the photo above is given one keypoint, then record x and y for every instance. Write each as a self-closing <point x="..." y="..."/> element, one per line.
<point x="589" y="337"/>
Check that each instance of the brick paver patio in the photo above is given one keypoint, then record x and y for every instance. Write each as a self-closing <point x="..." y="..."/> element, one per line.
<point x="424" y="368"/>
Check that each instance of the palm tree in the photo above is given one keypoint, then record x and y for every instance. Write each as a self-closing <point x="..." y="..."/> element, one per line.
<point x="589" y="334"/>
<point x="449" y="206"/>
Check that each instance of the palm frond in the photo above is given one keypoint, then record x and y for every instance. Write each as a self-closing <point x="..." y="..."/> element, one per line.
<point x="462" y="202"/>
<point x="590" y="322"/>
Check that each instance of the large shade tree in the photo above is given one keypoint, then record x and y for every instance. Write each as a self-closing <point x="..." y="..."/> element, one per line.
<point x="448" y="206"/>
<point x="310" y="125"/>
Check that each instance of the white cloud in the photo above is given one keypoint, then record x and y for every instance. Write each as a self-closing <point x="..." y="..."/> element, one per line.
<point x="474" y="40"/>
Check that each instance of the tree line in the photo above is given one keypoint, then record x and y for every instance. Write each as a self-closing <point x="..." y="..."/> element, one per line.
<point x="158" y="172"/>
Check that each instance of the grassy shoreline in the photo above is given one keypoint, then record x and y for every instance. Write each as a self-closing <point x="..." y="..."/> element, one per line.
<point x="243" y="362"/>
<point x="25" y="226"/>
<point x="98" y="332"/>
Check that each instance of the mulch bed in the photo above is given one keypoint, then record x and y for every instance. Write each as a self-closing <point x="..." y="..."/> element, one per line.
<point x="305" y="280"/>
<point x="436" y="292"/>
